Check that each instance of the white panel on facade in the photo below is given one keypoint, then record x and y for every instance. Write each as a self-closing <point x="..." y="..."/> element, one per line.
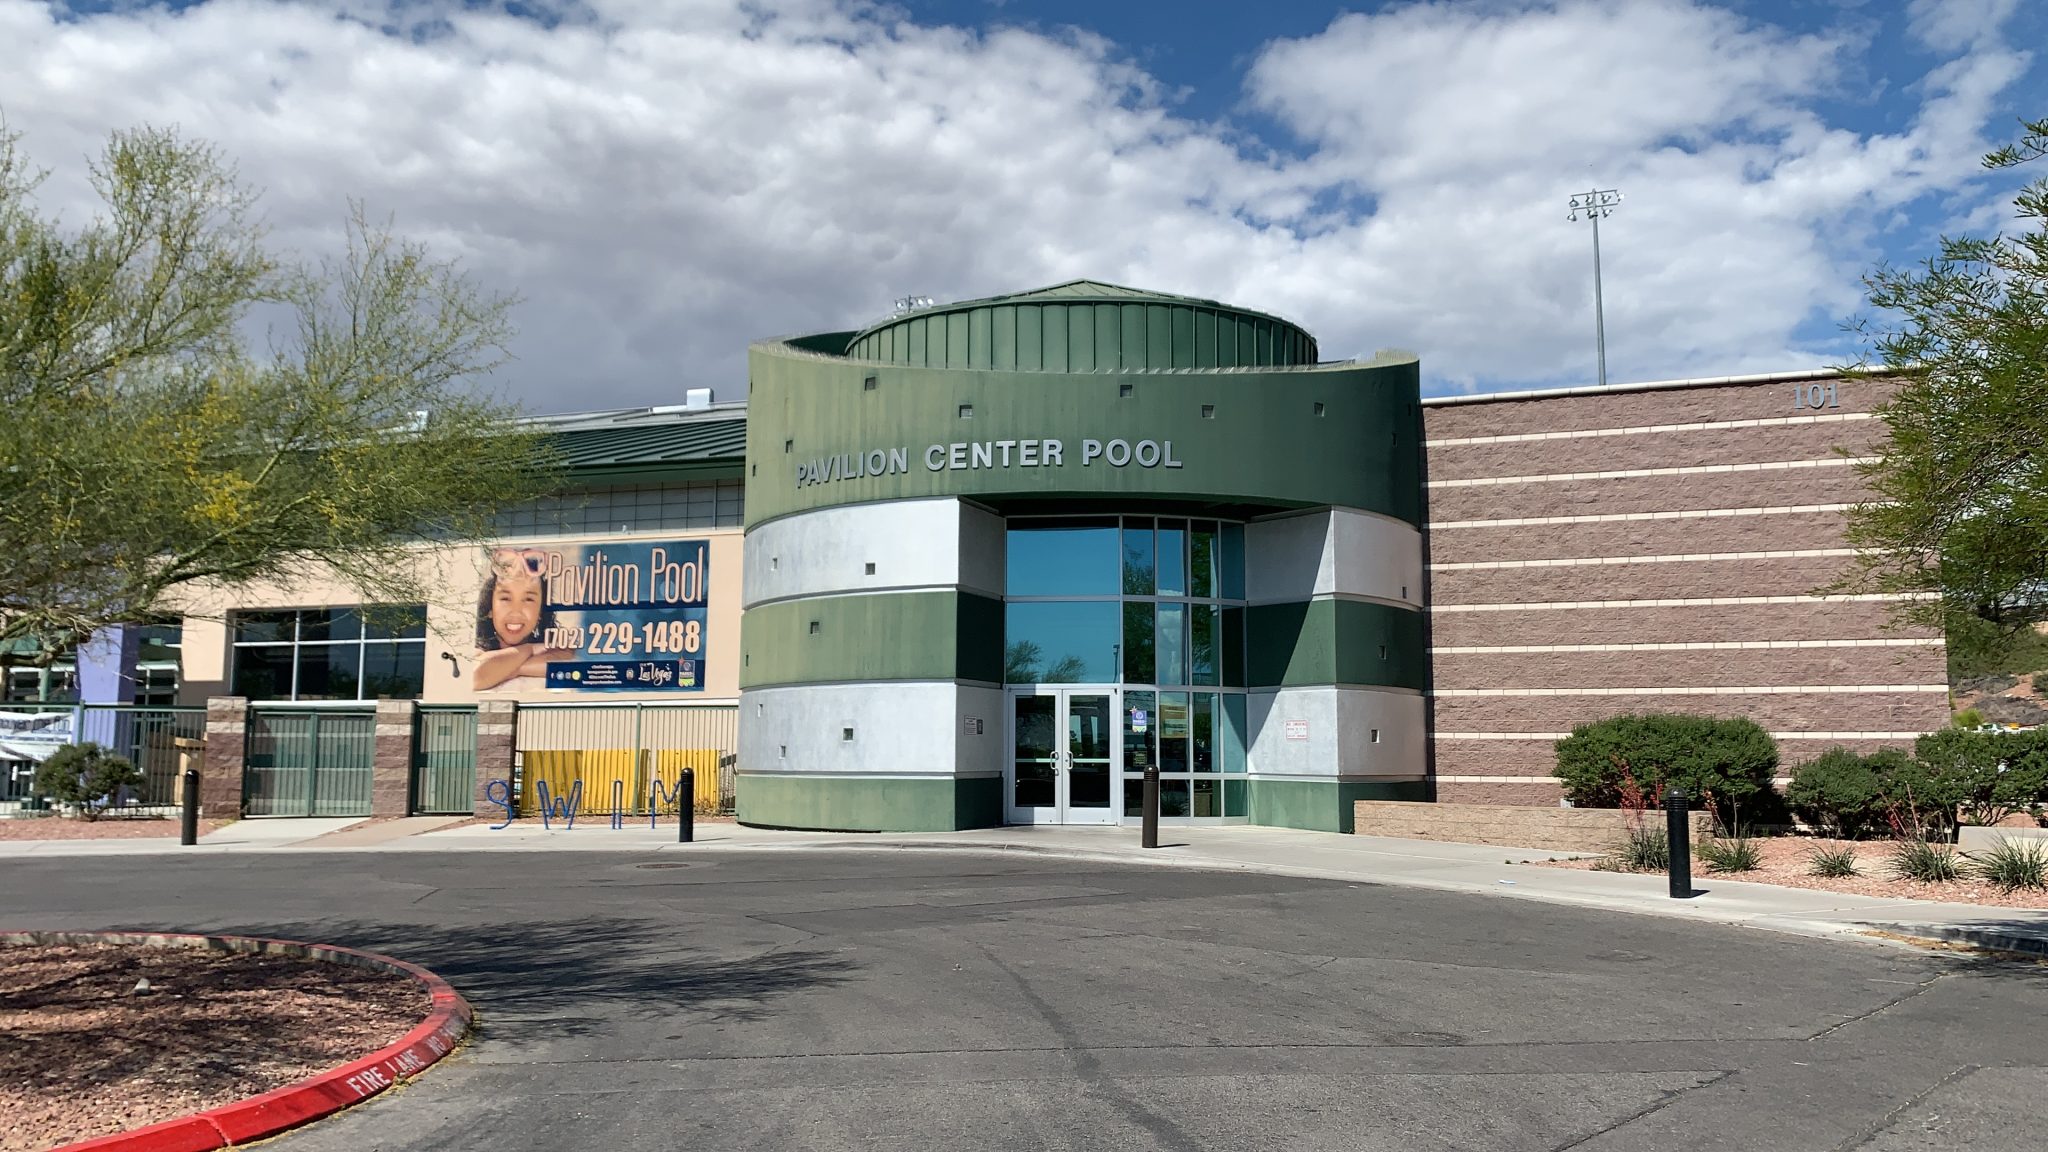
<point x="908" y="543"/>
<point x="897" y="729"/>
<point x="1328" y="731"/>
<point x="1335" y="552"/>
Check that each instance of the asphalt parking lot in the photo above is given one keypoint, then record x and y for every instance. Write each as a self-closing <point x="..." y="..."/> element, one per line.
<point x="842" y="999"/>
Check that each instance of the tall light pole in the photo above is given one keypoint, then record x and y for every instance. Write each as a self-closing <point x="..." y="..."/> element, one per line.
<point x="1593" y="205"/>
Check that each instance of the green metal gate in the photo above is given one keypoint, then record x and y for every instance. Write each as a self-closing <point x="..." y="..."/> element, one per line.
<point x="444" y="762"/>
<point x="309" y="762"/>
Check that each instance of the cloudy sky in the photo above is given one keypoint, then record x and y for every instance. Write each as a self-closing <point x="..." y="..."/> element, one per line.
<point x="662" y="180"/>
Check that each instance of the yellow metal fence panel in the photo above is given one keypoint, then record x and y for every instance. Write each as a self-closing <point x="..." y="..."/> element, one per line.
<point x="628" y="756"/>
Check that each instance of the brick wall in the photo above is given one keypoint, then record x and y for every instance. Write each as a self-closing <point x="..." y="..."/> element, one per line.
<point x="1511" y="823"/>
<point x="1655" y="549"/>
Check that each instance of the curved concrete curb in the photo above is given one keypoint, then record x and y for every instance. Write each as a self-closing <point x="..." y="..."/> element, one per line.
<point x="324" y="1093"/>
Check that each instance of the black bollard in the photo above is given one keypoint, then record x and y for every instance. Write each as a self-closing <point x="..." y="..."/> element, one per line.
<point x="686" y="808"/>
<point x="1150" y="836"/>
<point x="188" y="825"/>
<point x="1678" y="834"/>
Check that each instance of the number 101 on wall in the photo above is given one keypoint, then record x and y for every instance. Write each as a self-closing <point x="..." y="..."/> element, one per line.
<point x="1815" y="395"/>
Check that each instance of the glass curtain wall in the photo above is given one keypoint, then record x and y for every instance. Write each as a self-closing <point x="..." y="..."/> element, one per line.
<point x="1156" y="605"/>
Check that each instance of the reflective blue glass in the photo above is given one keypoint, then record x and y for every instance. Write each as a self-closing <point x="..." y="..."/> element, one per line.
<point x="1061" y="643"/>
<point x="1064" y="559"/>
<point x="1172" y="559"/>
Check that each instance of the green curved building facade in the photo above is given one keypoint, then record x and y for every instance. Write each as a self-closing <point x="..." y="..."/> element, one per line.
<point x="1002" y="554"/>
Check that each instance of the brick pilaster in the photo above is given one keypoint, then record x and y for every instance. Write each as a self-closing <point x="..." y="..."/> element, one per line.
<point x="220" y="773"/>
<point x="497" y="722"/>
<point x="391" y="759"/>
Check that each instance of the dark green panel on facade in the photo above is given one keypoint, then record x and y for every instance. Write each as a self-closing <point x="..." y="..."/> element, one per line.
<point x="978" y="638"/>
<point x="1323" y="805"/>
<point x="906" y="636"/>
<point x="1335" y="642"/>
<point x="1004" y="326"/>
<point x="1080" y="339"/>
<point x="1109" y="338"/>
<point x="1054" y="323"/>
<point x="1131" y="344"/>
<point x="956" y="340"/>
<point x="868" y="804"/>
<point x="981" y="339"/>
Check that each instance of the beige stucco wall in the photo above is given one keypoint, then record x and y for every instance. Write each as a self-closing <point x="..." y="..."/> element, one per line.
<point x="458" y="574"/>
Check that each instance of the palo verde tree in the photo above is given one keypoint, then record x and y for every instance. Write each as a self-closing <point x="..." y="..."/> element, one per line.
<point x="150" y="446"/>
<point x="1960" y="519"/>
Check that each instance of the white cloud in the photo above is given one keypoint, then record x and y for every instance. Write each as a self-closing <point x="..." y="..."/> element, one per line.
<point x="663" y="181"/>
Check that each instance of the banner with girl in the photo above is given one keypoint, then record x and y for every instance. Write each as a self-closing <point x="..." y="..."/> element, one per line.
<point x="612" y="617"/>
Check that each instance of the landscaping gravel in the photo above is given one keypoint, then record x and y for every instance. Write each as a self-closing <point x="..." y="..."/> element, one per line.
<point x="1788" y="861"/>
<point x="83" y="1053"/>
<point x="111" y="828"/>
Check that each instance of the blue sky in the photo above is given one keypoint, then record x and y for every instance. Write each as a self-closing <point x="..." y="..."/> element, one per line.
<point x="662" y="179"/>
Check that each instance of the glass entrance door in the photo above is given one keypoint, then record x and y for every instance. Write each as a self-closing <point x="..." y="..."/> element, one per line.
<point x="1063" y="756"/>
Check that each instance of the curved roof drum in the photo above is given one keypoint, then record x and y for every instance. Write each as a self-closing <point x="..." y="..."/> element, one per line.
<point x="1085" y="326"/>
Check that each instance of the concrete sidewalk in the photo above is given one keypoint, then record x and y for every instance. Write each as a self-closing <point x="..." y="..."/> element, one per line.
<point x="1467" y="868"/>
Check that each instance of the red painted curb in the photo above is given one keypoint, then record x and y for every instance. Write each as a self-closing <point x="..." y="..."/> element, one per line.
<point x="448" y="1017"/>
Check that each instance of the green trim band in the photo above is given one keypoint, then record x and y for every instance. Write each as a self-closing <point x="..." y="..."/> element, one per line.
<point x="1323" y="806"/>
<point x="1272" y="438"/>
<point x="946" y="635"/>
<point x="869" y="804"/>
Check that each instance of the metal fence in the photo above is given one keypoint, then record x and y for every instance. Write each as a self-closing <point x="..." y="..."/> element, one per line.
<point x="631" y="755"/>
<point x="18" y="776"/>
<point x="308" y="761"/>
<point x="160" y="742"/>
<point x="444" y="761"/>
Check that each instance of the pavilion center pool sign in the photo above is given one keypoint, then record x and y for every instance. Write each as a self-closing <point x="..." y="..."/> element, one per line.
<point x="976" y="455"/>
<point x="617" y="617"/>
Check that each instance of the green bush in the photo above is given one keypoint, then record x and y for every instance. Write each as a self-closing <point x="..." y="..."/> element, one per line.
<point x="1725" y="763"/>
<point x="2013" y="864"/>
<point x="1925" y="862"/>
<point x="1836" y="862"/>
<point x="1967" y="718"/>
<point x="1987" y="776"/>
<point x="2040" y="682"/>
<point x="1729" y="854"/>
<point x="86" y="776"/>
<point x="1841" y="791"/>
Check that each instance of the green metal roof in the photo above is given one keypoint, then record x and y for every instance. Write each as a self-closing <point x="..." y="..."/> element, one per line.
<point x="1085" y="326"/>
<point x="644" y="440"/>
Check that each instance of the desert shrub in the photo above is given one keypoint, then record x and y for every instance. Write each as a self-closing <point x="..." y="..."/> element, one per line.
<point x="1924" y="861"/>
<point x="85" y="776"/>
<point x="2040" y="682"/>
<point x="2012" y="864"/>
<point x="1724" y="763"/>
<point x="1967" y="718"/>
<point x="1840" y="791"/>
<point x="1729" y="854"/>
<point x="1643" y="849"/>
<point x="1836" y="862"/>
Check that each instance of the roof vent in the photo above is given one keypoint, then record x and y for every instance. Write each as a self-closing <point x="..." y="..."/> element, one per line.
<point x="695" y="398"/>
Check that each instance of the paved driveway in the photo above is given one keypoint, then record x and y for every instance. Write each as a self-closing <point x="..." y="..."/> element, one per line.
<point x="933" y="1000"/>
